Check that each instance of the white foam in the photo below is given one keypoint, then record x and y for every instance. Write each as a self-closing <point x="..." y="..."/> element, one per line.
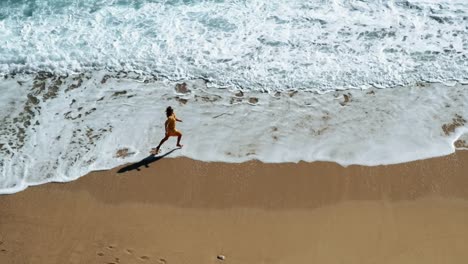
<point x="273" y="45"/>
<point x="82" y="129"/>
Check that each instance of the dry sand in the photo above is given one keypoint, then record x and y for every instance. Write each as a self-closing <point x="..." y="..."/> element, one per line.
<point x="185" y="211"/>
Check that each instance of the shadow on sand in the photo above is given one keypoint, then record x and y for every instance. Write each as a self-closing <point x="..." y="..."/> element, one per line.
<point x="144" y="162"/>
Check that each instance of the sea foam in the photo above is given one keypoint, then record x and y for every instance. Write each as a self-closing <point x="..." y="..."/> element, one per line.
<point x="260" y="45"/>
<point x="58" y="128"/>
<point x="85" y="83"/>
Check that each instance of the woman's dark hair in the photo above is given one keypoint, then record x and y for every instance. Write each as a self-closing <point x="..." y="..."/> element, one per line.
<point x="169" y="111"/>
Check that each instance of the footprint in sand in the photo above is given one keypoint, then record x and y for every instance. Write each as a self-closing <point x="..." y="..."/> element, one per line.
<point x="124" y="257"/>
<point x="2" y="250"/>
<point x="162" y="261"/>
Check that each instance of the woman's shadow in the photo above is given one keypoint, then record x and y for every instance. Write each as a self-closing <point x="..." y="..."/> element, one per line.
<point x="145" y="162"/>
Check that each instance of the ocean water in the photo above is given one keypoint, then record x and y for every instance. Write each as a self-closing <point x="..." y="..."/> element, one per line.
<point x="84" y="84"/>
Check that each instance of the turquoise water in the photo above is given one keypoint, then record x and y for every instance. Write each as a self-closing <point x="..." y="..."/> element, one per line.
<point x="275" y="81"/>
<point x="273" y="45"/>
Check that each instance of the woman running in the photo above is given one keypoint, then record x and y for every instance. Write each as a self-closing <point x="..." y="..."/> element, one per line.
<point x="171" y="130"/>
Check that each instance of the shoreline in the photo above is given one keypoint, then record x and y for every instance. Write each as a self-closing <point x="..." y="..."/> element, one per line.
<point x="184" y="211"/>
<point x="180" y="175"/>
<point x="67" y="126"/>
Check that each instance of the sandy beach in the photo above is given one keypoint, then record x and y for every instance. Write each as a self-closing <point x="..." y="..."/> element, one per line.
<point x="177" y="210"/>
<point x="289" y="110"/>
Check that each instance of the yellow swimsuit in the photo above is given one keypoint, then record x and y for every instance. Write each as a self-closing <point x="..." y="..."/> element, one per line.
<point x="171" y="124"/>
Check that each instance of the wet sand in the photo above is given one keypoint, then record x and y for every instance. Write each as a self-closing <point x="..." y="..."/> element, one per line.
<point x="177" y="210"/>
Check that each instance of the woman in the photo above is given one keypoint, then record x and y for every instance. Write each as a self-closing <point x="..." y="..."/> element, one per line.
<point x="171" y="130"/>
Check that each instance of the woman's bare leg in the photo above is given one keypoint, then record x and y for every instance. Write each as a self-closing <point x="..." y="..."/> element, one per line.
<point x="162" y="142"/>
<point x="179" y="137"/>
